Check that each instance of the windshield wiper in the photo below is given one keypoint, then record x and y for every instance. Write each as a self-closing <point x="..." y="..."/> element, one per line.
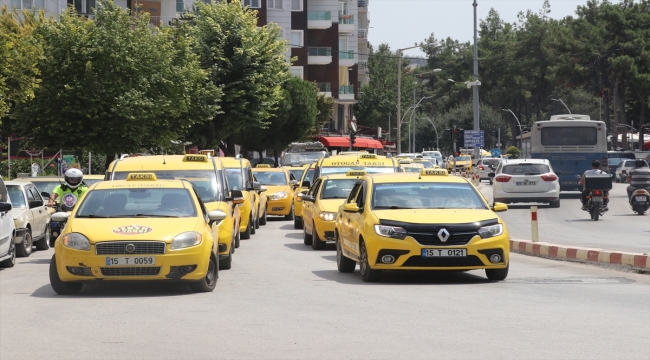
<point x="95" y="216"/>
<point x="392" y="207"/>
<point x="155" y="215"/>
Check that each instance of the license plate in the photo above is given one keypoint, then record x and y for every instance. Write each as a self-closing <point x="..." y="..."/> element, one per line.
<point x="444" y="252"/>
<point x="597" y="198"/>
<point x="524" y="183"/>
<point x="130" y="261"/>
<point x="640" y="198"/>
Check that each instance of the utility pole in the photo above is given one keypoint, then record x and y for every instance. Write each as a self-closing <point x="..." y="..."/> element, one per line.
<point x="499" y="138"/>
<point x="476" y="83"/>
<point x="399" y="101"/>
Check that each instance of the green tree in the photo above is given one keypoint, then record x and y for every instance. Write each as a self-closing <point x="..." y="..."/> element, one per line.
<point x="514" y="152"/>
<point x="325" y="110"/>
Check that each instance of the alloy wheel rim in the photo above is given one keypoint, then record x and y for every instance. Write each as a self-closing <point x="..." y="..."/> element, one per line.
<point x="28" y="242"/>
<point x="364" y="257"/>
<point x="338" y="253"/>
<point x="209" y="277"/>
<point x="12" y="251"/>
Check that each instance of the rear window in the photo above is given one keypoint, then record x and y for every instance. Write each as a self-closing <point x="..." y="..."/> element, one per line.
<point x="525" y="169"/>
<point x="629" y="163"/>
<point x="490" y="162"/>
<point x="569" y="136"/>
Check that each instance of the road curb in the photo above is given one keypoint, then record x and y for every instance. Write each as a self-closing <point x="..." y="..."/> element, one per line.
<point x="638" y="261"/>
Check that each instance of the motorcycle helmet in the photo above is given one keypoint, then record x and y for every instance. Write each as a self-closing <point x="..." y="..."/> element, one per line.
<point x="73" y="178"/>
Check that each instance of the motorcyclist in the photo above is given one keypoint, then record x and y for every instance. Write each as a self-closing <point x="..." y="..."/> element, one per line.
<point x="639" y="177"/>
<point x="68" y="193"/>
<point x="595" y="169"/>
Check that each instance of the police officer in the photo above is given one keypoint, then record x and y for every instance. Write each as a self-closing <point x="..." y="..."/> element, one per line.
<point x="639" y="177"/>
<point x="595" y="169"/>
<point x="71" y="191"/>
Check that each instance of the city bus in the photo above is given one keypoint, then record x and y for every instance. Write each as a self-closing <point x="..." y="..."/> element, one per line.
<point x="570" y="142"/>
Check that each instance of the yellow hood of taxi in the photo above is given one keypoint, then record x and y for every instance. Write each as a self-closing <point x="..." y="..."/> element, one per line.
<point x="331" y="205"/>
<point x="435" y="216"/>
<point x="271" y="189"/>
<point x="164" y="229"/>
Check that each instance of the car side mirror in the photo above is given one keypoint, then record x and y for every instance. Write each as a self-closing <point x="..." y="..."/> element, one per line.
<point x="45" y="194"/>
<point x="497" y="207"/>
<point x="293" y="183"/>
<point x="35" y="204"/>
<point x="491" y="175"/>
<point x="4" y="207"/>
<point x="237" y="196"/>
<point x="216" y="215"/>
<point x="309" y="198"/>
<point x="256" y="186"/>
<point x="60" y="216"/>
<point x="263" y="188"/>
<point x="351" y="208"/>
<point x="306" y="184"/>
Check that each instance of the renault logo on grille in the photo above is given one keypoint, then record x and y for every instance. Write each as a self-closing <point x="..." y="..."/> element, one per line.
<point x="131" y="248"/>
<point x="443" y="235"/>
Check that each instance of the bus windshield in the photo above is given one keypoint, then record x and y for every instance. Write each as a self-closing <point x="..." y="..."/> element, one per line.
<point x="571" y="136"/>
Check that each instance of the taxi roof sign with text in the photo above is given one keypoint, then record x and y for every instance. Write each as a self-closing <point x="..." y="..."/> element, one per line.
<point x="356" y="173"/>
<point x="434" y="172"/>
<point x="141" y="177"/>
<point x="195" y="158"/>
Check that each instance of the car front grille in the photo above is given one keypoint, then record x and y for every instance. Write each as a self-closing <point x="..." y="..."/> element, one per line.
<point x="455" y="238"/>
<point x="139" y="247"/>
<point x="470" y="260"/>
<point x="131" y="271"/>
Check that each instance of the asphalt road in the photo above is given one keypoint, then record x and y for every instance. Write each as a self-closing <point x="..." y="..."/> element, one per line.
<point x="282" y="300"/>
<point x="618" y="229"/>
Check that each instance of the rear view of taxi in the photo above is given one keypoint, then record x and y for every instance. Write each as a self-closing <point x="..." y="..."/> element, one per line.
<point x="240" y="177"/>
<point x="320" y="205"/>
<point x="407" y="165"/>
<point x="426" y="221"/>
<point x="279" y="191"/>
<point x="304" y="183"/>
<point x="137" y="229"/>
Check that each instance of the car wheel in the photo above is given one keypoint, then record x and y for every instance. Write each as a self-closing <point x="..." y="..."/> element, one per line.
<point x="297" y="222"/>
<point x="344" y="264"/>
<point x="316" y="242"/>
<point x="253" y="225"/>
<point x="497" y="274"/>
<point x="306" y="238"/>
<point x="367" y="273"/>
<point x="263" y="219"/>
<point x="247" y="234"/>
<point x="237" y="242"/>
<point x="11" y="261"/>
<point x="491" y="182"/>
<point x="209" y="282"/>
<point x="617" y="179"/>
<point x="61" y="287"/>
<point x="42" y="244"/>
<point x="555" y="204"/>
<point x="226" y="264"/>
<point x="257" y="221"/>
<point x="24" y="248"/>
<point x="290" y="216"/>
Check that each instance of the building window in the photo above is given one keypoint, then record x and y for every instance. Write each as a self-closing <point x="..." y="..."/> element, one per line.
<point x="27" y="4"/>
<point x="254" y="4"/>
<point x="274" y="4"/>
<point x="180" y="6"/>
<point x="296" y="5"/>
<point x="296" y="38"/>
<point x="296" y="71"/>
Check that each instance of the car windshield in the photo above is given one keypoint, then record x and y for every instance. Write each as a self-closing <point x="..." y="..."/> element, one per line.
<point x="296" y="173"/>
<point x="614" y="161"/>
<point x="525" y="169"/>
<point x="490" y="162"/>
<point x="270" y="177"/>
<point x="462" y="158"/>
<point x="337" y="188"/>
<point x="426" y="196"/>
<point x="204" y="181"/>
<point x="46" y="186"/>
<point x="137" y="202"/>
<point x="369" y="170"/>
<point x="16" y="196"/>
<point x="235" y="180"/>
<point x="427" y="164"/>
<point x="432" y="153"/>
<point x="629" y="163"/>
<point x="304" y="158"/>
<point x="414" y="169"/>
<point x="309" y="176"/>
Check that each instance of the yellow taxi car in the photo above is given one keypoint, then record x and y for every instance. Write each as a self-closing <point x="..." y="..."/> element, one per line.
<point x="463" y="163"/>
<point x="425" y="221"/>
<point x="320" y="205"/>
<point x="137" y="229"/>
<point x="280" y="190"/>
<point x="304" y="184"/>
<point x="341" y="164"/>
<point x="240" y="177"/>
<point x="426" y="163"/>
<point x="207" y="175"/>
<point x="407" y="165"/>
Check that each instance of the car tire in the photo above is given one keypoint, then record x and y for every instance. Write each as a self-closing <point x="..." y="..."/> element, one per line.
<point x="297" y="222"/>
<point x="11" y="261"/>
<point x="24" y="248"/>
<point x="618" y="180"/>
<point x="344" y="264"/>
<point x="253" y="225"/>
<point x="306" y="238"/>
<point x="555" y="204"/>
<point x="237" y="242"/>
<point x="497" y="274"/>
<point x="257" y="221"/>
<point x="367" y="273"/>
<point x="42" y="244"/>
<point x="247" y="234"/>
<point x="316" y="242"/>
<point x="263" y="219"/>
<point x="61" y="287"/>
<point x="226" y="264"/>
<point x="290" y="215"/>
<point x="209" y="282"/>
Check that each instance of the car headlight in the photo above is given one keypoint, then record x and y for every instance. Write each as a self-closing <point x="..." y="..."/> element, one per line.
<point x="279" y="195"/>
<point x="186" y="240"/>
<point x="327" y="216"/>
<point x="76" y="241"/>
<point x="490" y="231"/>
<point x="390" y="231"/>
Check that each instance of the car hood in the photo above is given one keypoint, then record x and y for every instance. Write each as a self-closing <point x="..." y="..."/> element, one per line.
<point x="162" y="229"/>
<point x="272" y="189"/>
<point x="436" y="216"/>
<point x="331" y="205"/>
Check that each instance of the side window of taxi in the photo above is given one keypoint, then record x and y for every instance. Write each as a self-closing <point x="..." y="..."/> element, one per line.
<point x="4" y="197"/>
<point x="353" y="193"/>
<point x="30" y="196"/>
<point x="314" y="188"/>
<point x="361" y="196"/>
<point x="204" y="211"/>
<point x="248" y="177"/>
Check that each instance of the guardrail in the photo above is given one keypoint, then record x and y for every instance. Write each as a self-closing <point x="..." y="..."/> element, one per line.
<point x="319" y="51"/>
<point x="346" y="54"/>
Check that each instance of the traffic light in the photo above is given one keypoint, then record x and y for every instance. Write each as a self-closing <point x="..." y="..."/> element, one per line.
<point x="353" y="136"/>
<point x="456" y="135"/>
<point x="495" y="132"/>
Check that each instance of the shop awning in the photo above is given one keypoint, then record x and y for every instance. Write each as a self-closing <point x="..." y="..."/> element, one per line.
<point x="335" y="141"/>
<point x="368" y="144"/>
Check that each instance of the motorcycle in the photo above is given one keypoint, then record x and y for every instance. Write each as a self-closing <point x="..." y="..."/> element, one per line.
<point x="640" y="201"/>
<point x="56" y="226"/>
<point x="597" y="185"/>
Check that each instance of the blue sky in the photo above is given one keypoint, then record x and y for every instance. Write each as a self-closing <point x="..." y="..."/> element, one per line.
<point x="401" y="23"/>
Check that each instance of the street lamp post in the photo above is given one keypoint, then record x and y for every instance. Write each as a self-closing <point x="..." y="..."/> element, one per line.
<point x="560" y="100"/>
<point x="413" y="113"/>
<point x="399" y="96"/>
<point x="436" y="130"/>
<point x="476" y="83"/>
<point x="413" y="117"/>
<point x="521" y="140"/>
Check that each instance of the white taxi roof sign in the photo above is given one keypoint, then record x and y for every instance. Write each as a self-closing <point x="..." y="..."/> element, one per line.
<point x="141" y="177"/>
<point x="263" y="166"/>
<point x="434" y="172"/>
<point x="195" y="158"/>
<point x="405" y="161"/>
<point x="356" y="173"/>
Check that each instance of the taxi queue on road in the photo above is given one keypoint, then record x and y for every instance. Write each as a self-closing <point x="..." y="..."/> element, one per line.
<point x="181" y="217"/>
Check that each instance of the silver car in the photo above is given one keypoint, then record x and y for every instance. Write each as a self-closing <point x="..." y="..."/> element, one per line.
<point x="31" y="217"/>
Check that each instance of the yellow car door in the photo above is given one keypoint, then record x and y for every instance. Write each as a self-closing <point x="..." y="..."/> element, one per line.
<point x="347" y="232"/>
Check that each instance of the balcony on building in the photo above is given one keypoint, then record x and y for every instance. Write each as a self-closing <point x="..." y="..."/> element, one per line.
<point x="362" y="35"/>
<point x="346" y="58"/>
<point x="346" y="92"/>
<point x="363" y="66"/>
<point x="319" y="19"/>
<point x="362" y="5"/>
<point x="324" y="88"/>
<point x="319" y="55"/>
<point x="346" y="23"/>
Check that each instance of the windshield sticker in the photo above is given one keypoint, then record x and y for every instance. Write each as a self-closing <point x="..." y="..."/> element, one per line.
<point x="132" y="230"/>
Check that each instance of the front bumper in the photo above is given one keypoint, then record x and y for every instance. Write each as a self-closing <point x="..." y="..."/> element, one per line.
<point x="20" y="234"/>
<point x="279" y="207"/>
<point x="95" y="265"/>
<point x="408" y="254"/>
<point x="325" y="229"/>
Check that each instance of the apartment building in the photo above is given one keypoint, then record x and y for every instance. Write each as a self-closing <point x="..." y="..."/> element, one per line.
<point x="50" y="7"/>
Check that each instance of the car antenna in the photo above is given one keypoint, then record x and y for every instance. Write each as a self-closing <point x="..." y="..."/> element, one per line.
<point x="164" y="162"/>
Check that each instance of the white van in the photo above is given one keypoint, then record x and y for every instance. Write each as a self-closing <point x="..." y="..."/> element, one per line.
<point x="7" y="230"/>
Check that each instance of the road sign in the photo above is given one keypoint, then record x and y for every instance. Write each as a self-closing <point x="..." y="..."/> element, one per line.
<point x="496" y="152"/>
<point x="473" y="138"/>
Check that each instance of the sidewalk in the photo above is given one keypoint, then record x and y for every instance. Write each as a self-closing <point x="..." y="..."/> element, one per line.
<point x="636" y="261"/>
